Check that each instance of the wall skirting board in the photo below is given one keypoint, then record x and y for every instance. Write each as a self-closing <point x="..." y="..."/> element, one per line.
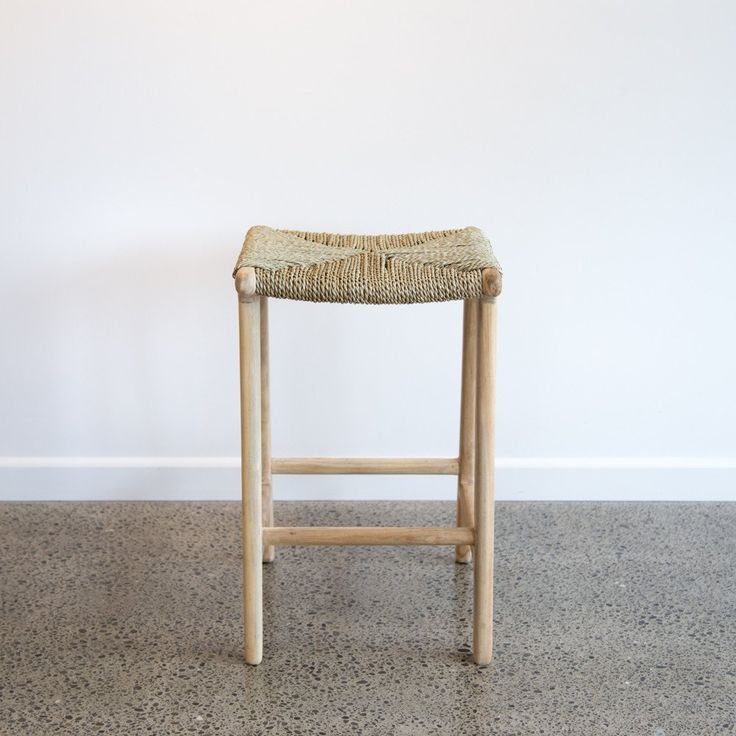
<point x="217" y="478"/>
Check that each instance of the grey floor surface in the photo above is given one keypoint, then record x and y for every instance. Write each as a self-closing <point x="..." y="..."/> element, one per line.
<point x="125" y="618"/>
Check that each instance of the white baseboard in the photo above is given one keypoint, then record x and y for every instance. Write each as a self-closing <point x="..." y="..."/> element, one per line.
<point x="217" y="478"/>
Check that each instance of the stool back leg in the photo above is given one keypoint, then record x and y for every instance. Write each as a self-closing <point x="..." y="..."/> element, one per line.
<point x="484" y="484"/>
<point x="466" y="470"/>
<point x="250" y="433"/>
<point x="269" y="551"/>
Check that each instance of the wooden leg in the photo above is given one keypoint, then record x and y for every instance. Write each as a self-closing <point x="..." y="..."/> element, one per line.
<point x="466" y="469"/>
<point x="250" y="428"/>
<point x="269" y="551"/>
<point x="484" y="488"/>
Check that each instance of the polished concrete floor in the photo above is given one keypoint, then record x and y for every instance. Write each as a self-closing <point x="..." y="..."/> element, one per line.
<point x="125" y="618"/>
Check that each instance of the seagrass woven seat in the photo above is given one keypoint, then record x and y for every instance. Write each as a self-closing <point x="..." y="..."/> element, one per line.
<point x="370" y="269"/>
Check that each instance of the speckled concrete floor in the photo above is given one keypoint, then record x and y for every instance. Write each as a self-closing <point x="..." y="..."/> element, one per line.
<point x="126" y="619"/>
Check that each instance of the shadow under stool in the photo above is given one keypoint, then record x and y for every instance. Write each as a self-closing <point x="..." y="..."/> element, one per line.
<point x="370" y="269"/>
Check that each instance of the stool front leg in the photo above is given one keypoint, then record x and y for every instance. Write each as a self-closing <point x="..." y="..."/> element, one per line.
<point x="250" y="444"/>
<point x="484" y="484"/>
<point x="466" y="460"/>
<point x="269" y="551"/>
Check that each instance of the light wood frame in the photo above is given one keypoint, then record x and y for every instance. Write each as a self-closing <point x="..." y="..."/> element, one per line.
<point x="474" y="467"/>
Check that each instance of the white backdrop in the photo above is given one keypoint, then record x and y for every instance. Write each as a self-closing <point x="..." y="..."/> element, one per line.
<point x="593" y="141"/>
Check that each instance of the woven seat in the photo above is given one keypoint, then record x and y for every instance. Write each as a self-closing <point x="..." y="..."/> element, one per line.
<point x="370" y="269"/>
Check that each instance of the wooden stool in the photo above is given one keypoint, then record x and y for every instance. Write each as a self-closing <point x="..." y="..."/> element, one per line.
<point x="370" y="269"/>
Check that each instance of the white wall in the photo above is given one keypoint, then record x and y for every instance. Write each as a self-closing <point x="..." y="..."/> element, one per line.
<point x="593" y="141"/>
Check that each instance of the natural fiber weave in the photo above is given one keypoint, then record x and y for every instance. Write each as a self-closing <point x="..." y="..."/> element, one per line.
<point x="368" y="269"/>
